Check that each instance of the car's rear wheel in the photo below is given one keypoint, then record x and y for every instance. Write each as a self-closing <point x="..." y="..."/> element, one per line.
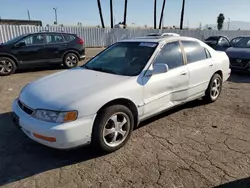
<point x="112" y="128"/>
<point x="70" y="60"/>
<point x="214" y="88"/>
<point x="7" y="66"/>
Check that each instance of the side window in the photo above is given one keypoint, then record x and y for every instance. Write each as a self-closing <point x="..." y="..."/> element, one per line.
<point x="194" y="51"/>
<point x="54" y="38"/>
<point x="207" y="53"/>
<point x="171" y="55"/>
<point x="69" y="38"/>
<point x="223" y="42"/>
<point x="33" y="40"/>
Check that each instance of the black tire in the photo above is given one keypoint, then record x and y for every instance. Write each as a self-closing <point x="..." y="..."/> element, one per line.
<point x="99" y="140"/>
<point x="209" y="92"/>
<point x="7" y="66"/>
<point x="70" y="60"/>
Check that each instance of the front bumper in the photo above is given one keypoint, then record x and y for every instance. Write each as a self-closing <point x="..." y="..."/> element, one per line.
<point x="66" y="135"/>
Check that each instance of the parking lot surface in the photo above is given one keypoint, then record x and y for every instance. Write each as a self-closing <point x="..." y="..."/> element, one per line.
<point x="196" y="145"/>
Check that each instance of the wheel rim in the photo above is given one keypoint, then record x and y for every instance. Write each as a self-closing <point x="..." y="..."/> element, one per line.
<point x="5" y="66"/>
<point x="71" y="61"/>
<point x="216" y="87"/>
<point x="116" y="129"/>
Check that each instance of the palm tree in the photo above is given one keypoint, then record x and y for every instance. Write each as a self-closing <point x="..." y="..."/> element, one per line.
<point x="155" y="4"/>
<point x="162" y="12"/>
<point x="100" y="12"/>
<point x="111" y="13"/>
<point x="182" y="14"/>
<point x="125" y="14"/>
<point x="220" y="21"/>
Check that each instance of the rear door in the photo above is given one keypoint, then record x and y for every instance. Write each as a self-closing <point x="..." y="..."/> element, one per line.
<point x="200" y="66"/>
<point x="32" y="51"/>
<point x="55" y="47"/>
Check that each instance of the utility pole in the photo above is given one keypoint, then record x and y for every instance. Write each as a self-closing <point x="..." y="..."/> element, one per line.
<point x="56" y="22"/>
<point x="155" y="4"/>
<point x="182" y="14"/>
<point x="125" y="14"/>
<point x="111" y="13"/>
<point x="162" y="13"/>
<point x="228" y="27"/>
<point x="100" y="12"/>
<point x="28" y="12"/>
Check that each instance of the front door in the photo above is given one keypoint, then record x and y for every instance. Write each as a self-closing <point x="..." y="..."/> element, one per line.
<point x="200" y="66"/>
<point x="32" y="51"/>
<point x="162" y="91"/>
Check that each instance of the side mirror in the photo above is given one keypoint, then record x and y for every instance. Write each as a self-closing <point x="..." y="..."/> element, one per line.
<point x="20" y="44"/>
<point x="160" y="68"/>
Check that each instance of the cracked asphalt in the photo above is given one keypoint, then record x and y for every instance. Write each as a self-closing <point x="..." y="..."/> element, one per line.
<point x="196" y="145"/>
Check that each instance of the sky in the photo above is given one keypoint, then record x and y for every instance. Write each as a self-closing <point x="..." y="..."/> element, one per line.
<point x="140" y="12"/>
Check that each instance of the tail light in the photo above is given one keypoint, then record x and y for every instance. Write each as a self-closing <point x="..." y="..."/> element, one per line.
<point x="81" y="41"/>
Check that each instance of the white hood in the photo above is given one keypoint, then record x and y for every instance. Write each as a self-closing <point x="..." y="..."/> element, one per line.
<point x="56" y="91"/>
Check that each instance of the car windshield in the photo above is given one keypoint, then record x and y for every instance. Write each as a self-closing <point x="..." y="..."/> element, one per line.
<point x="14" y="40"/>
<point x="243" y="43"/>
<point x="123" y="58"/>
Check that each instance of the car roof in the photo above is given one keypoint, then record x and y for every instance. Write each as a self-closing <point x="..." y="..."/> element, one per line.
<point x="53" y="32"/>
<point x="158" y="39"/>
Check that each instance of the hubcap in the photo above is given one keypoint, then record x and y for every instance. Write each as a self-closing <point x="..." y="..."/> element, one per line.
<point x="116" y="129"/>
<point x="5" y="66"/>
<point x="215" y="90"/>
<point x="71" y="61"/>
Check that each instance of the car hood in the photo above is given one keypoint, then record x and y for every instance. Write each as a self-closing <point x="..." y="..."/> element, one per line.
<point x="243" y="53"/>
<point x="56" y="91"/>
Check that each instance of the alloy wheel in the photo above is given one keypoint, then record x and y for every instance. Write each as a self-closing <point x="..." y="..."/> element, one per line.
<point x="116" y="129"/>
<point x="5" y="66"/>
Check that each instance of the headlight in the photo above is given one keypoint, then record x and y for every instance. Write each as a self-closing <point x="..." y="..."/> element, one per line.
<point x="54" y="116"/>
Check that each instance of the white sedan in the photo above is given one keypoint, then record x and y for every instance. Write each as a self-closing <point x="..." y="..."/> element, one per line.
<point x="132" y="80"/>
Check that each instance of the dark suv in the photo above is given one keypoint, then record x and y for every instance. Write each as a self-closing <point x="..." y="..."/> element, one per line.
<point x="41" y="48"/>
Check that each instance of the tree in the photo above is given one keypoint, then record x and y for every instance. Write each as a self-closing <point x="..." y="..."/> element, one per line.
<point x="155" y="4"/>
<point x="220" y="21"/>
<point x="100" y="12"/>
<point x="162" y="13"/>
<point x="182" y="14"/>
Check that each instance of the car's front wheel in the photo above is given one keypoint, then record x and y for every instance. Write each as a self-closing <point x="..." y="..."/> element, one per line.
<point x="7" y="66"/>
<point x="70" y="60"/>
<point x="112" y="128"/>
<point x="214" y="88"/>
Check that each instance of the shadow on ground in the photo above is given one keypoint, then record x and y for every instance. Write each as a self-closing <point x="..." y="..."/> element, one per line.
<point x="21" y="157"/>
<point x="240" y="77"/>
<point x="38" y="68"/>
<point x="242" y="183"/>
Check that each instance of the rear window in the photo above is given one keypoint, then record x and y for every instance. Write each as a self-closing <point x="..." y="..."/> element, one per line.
<point x="212" y="38"/>
<point x="69" y="38"/>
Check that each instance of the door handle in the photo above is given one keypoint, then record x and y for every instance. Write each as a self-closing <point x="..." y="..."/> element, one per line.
<point x="211" y="65"/>
<point x="184" y="73"/>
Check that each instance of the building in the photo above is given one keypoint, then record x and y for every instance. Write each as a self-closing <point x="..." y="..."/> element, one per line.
<point x="20" y="22"/>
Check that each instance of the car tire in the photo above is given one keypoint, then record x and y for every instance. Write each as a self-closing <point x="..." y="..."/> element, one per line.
<point x="112" y="128"/>
<point x="70" y="60"/>
<point x="7" y="66"/>
<point x="214" y="88"/>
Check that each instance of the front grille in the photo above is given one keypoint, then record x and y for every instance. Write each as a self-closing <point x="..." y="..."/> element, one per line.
<point x="239" y="62"/>
<point x="25" y="108"/>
